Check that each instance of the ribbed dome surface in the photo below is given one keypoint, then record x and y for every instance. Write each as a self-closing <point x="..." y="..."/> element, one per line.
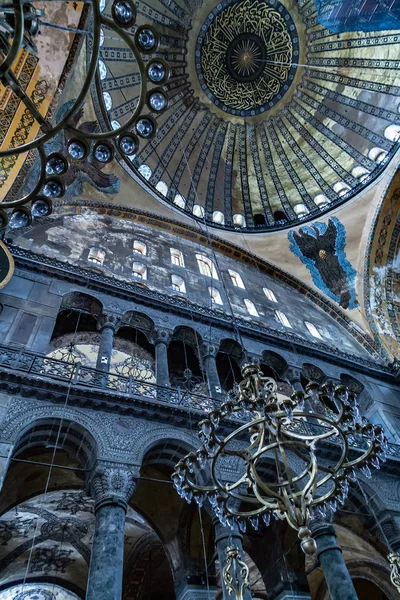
<point x="271" y="118"/>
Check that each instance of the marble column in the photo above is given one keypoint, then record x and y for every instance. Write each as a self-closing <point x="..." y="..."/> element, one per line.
<point x="111" y="486"/>
<point x="224" y="537"/>
<point x="330" y="556"/>
<point x="108" y="324"/>
<point x="292" y="375"/>
<point x="209" y="353"/>
<point x="161" y="340"/>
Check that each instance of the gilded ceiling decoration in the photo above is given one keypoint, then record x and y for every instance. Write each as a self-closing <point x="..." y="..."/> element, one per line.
<point x="244" y="56"/>
<point x="272" y="119"/>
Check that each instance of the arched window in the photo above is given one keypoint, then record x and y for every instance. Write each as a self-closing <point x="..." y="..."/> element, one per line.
<point x="301" y="210"/>
<point x="280" y="217"/>
<point x="198" y="211"/>
<point x="392" y="133"/>
<point x="176" y="257"/>
<point x="313" y="330"/>
<point x="377" y="154"/>
<point x="139" y="248"/>
<point x="321" y="200"/>
<point x="206" y="266"/>
<point x="96" y="256"/>
<point x="239" y="220"/>
<point x="178" y="284"/>
<point x="218" y="217"/>
<point x="215" y="296"/>
<point x="236" y="279"/>
<point x="259" y="219"/>
<point x="162" y="188"/>
<point x="270" y="294"/>
<point x="139" y="270"/>
<point x="282" y="318"/>
<point x="251" y="308"/>
<point x="360" y="173"/>
<point x="145" y="171"/>
<point x="180" y="201"/>
<point x="341" y="188"/>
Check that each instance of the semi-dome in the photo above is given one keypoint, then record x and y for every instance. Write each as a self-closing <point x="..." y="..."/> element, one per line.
<point x="272" y="119"/>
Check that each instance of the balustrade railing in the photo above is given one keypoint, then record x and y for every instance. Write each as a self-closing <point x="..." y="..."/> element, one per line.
<point x="76" y="374"/>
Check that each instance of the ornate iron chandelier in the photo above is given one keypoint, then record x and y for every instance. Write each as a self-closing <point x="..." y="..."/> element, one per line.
<point x="279" y="458"/>
<point x="20" y="22"/>
<point x="235" y="573"/>
<point x="394" y="561"/>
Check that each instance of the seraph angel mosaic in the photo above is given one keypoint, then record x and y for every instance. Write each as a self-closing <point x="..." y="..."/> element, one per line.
<point x="321" y="247"/>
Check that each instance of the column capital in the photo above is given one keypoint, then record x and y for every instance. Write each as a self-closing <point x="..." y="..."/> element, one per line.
<point x="161" y="335"/>
<point x="292" y="373"/>
<point x="249" y="359"/>
<point x="110" y="320"/>
<point x="112" y="483"/>
<point x="209" y="350"/>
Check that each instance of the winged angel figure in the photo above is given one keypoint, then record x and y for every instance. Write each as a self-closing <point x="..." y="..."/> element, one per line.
<point x="321" y="247"/>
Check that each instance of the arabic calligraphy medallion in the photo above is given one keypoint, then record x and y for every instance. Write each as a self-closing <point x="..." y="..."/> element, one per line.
<point x="246" y="55"/>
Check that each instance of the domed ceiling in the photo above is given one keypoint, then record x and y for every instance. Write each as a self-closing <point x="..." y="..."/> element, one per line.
<point x="271" y="118"/>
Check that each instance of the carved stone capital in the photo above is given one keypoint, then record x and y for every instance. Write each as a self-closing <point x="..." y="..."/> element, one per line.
<point x="292" y="374"/>
<point x="109" y="320"/>
<point x="161" y="335"/>
<point x="250" y="359"/>
<point x="209" y="350"/>
<point x="112" y="483"/>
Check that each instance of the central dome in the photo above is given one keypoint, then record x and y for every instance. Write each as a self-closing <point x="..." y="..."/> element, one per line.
<point x="246" y="55"/>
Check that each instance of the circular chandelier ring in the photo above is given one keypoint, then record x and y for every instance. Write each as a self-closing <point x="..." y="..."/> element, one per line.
<point x="34" y="193"/>
<point x="17" y="40"/>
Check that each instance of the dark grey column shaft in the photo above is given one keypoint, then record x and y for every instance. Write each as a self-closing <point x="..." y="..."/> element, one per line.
<point x="107" y="557"/>
<point x="105" y="349"/>
<point x="337" y="577"/>
<point x="162" y="371"/>
<point x="223" y="537"/>
<point x="209" y="353"/>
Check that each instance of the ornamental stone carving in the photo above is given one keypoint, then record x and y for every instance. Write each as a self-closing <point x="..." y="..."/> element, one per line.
<point x="161" y="336"/>
<point x="209" y="350"/>
<point x="112" y="483"/>
<point x="110" y="320"/>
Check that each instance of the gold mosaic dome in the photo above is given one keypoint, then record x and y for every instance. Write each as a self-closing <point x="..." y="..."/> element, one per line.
<point x="272" y="119"/>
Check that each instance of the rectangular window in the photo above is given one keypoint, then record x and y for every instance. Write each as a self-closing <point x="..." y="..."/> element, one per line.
<point x="206" y="266"/>
<point x="270" y="295"/>
<point x="236" y="279"/>
<point x="177" y="257"/>
<point x="215" y="296"/>
<point x="178" y="284"/>
<point x="139" y="271"/>
<point x="96" y="256"/>
<point x="140" y="248"/>
<point x="282" y="318"/>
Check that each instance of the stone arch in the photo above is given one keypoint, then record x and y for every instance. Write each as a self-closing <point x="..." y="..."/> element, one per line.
<point x="78" y="312"/>
<point x="188" y="336"/>
<point x="228" y="360"/>
<point x="24" y="415"/>
<point x="313" y="373"/>
<point x="274" y="361"/>
<point x="139" y="321"/>
<point x="148" y="440"/>
<point x="83" y="302"/>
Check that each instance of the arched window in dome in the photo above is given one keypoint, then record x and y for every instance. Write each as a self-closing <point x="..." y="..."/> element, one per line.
<point x="341" y="188"/>
<point x="270" y="295"/>
<point x="176" y="257"/>
<point x="145" y="171"/>
<point x="215" y="296"/>
<point x="251" y="307"/>
<point x="392" y="133"/>
<point x="239" y="220"/>
<point x="321" y="200"/>
<point x="301" y="210"/>
<point x="139" y="248"/>
<point x="259" y="219"/>
<point x="377" y="154"/>
<point x="282" y="318"/>
<point x="313" y="330"/>
<point x="162" y="188"/>
<point x="360" y="173"/>
<point x="180" y="201"/>
<point x="236" y="279"/>
<point x="96" y="256"/>
<point x="218" y="217"/>
<point x="139" y="270"/>
<point x="178" y="284"/>
<point x="280" y="217"/>
<point x="198" y="211"/>
<point x="206" y="266"/>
